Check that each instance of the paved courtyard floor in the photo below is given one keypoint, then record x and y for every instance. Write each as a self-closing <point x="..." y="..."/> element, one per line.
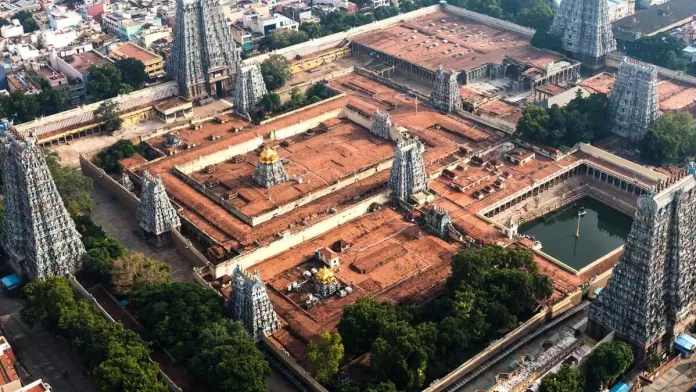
<point x="678" y="379"/>
<point x="41" y="353"/>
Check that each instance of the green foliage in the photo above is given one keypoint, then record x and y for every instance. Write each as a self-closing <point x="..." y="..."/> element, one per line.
<point x="661" y="49"/>
<point x="539" y="16"/>
<point x="107" y="114"/>
<point x="653" y="359"/>
<point x="582" y="120"/>
<point x="276" y="71"/>
<point x="401" y="354"/>
<point x="134" y="269"/>
<point x="27" y="21"/>
<point x="73" y="186"/>
<point x="606" y="363"/>
<point x="279" y="39"/>
<point x="324" y="356"/>
<point x="382" y="387"/>
<point x="133" y="72"/>
<point x="88" y="229"/>
<point x="312" y="29"/>
<point x="104" y="81"/>
<point x="318" y="92"/>
<point x="118" y="358"/>
<point x="544" y="40"/>
<point x="671" y="140"/>
<point x="227" y="359"/>
<point x="567" y="379"/>
<point x="384" y="12"/>
<point x="108" y="159"/>
<point x="363" y="322"/>
<point x="337" y="21"/>
<point x="271" y="102"/>
<point x="175" y="312"/>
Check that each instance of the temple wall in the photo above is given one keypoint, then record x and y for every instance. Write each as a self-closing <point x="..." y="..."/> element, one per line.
<point x="303" y="126"/>
<point x="489" y="20"/>
<point x="614" y="60"/>
<point x="186" y="249"/>
<point x="220" y="156"/>
<point x="112" y="186"/>
<point x="278" y="246"/>
<point x="621" y="162"/>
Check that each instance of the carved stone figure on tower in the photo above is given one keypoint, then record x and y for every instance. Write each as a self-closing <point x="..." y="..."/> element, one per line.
<point x="38" y="233"/>
<point x="156" y="215"/>
<point x="204" y="55"/>
<point x="633" y="103"/>
<point x="408" y="175"/>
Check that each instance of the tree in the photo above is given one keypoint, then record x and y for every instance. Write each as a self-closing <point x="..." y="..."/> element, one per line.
<point x="671" y="140"/>
<point x="297" y="98"/>
<point x="407" y="6"/>
<point x="25" y="107"/>
<point x="387" y="386"/>
<point x="279" y="39"/>
<point x="271" y="102"/>
<point x="384" y="12"/>
<point x="104" y="81"/>
<point x="543" y="40"/>
<point x="107" y="114"/>
<point x="226" y="359"/>
<point x="539" y="16"/>
<point x="401" y="354"/>
<point x="175" y="312"/>
<point x="45" y="299"/>
<point x="73" y="186"/>
<point x="606" y="363"/>
<point x="324" y="356"/>
<point x="363" y="322"/>
<point x="87" y="228"/>
<point x="122" y="373"/>
<point x="276" y="71"/>
<point x="312" y="29"/>
<point x="566" y="379"/>
<point x="661" y="49"/>
<point x="26" y="19"/>
<point x="133" y="72"/>
<point x="134" y="269"/>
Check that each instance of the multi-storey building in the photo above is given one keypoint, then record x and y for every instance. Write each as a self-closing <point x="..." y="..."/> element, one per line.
<point x="154" y="64"/>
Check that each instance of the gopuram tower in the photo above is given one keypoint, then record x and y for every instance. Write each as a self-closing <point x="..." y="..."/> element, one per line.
<point x="445" y="95"/>
<point x="38" y="233"/>
<point x="249" y="304"/>
<point x="269" y="171"/>
<point x="408" y="175"/>
<point x="156" y="215"/>
<point x="633" y="103"/>
<point x="249" y="88"/>
<point x="204" y="55"/>
<point x="585" y="31"/>
<point x="648" y="299"/>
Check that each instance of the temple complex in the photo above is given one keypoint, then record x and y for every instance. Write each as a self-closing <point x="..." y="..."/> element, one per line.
<point x="249" y="88"/>
<point x="408" y="175"/>
<point x="381" y="124"/>
<point x="38" y="233"/>
<point x="156" y="215"/>
<point x="649" y="299"/>
<point x="585" y="30"/>
<point x="204" y="55"/>
<point x="269" y="171"/>
<point x="634" y="100"/>
<point x="250" y="305"/>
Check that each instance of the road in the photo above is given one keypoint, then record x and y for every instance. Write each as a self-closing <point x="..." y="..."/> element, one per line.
<point x="41" y="353"/>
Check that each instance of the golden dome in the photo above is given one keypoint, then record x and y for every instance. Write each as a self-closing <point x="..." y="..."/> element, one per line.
<point x="268" y="155"/>
<point x="325" y="276"/>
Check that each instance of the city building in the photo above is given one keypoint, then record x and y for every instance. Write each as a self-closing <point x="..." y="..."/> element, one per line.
<point x="300" y="13"/>
<point x="585" y="31"/>
<point x="634" y="100"/>
<point x="657" y="19"/>
<point x="61" y="18"/>
<point x="148" y="36"/>
<point x="126" y="24"/>
<point x="408" y="175"/>
<point x="249" y="304"/>
<point x="263" y="25"/>
<point x="9" y="8"/>
<point x="154" y="64"/>
<point x="445" y="95"/>
<point x="269" y="171"/>
<point x="14" y="29"/>
<point x="38" y="233"/>
<point x="20" y="81"/>
<point x="649" y="298"/>
<point x="75" y="67"/>
<point x="242" y="37"/>
<point x="249" y="88"/>
<point x="204" y="55"/>
<point x="156" y="215"/>
<point x="58" y="38"/>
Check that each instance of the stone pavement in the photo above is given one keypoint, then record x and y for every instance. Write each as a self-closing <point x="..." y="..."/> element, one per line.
<point x="41" y="353"/>
<point x="680" y="378"/>
<point x="117" y="221"/>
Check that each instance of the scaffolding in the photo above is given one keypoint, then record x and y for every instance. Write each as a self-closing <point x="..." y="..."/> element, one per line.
<point x="408" y="175"/>
<point x="269" y="171"/>
<point x="155" y="214"/>
<point x="445" y="95"/>
<point x="38" y="233"/>
<point x="204" y="55"/>
<point x="651" y="290"/>
<point x="381" y="122"/>
<point x="584" y="27"/>
<point x="249" y="88"/>
<point x="633" y="104"/>
<point x="249" y="304"/>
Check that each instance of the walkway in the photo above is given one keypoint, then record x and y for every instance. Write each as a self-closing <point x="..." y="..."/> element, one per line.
<point x="680" y="378"/>
<point x="41" y="353"/>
